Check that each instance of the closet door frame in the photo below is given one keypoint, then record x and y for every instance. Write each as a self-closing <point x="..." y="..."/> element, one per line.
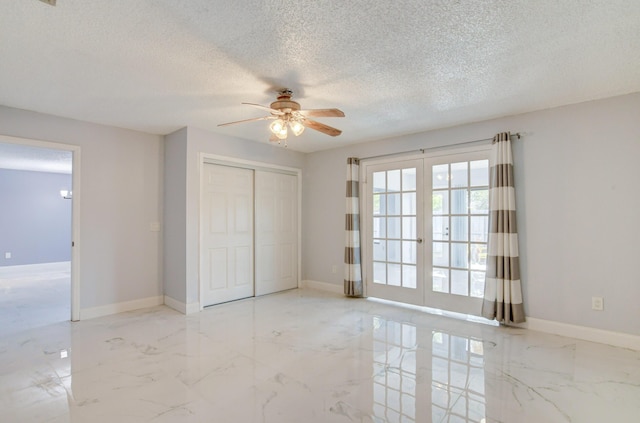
<point x="255" y="166"/>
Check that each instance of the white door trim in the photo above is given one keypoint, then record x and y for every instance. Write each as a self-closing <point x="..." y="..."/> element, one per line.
<point x="248" y="164"/>
<point x="75" y="211"/>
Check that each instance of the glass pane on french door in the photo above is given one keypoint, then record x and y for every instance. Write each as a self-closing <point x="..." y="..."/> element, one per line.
<point x="459" y="219"/>
<point x="394" y="200"/>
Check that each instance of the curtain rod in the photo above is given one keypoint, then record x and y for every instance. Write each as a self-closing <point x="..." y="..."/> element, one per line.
<point x="422" y="150"/>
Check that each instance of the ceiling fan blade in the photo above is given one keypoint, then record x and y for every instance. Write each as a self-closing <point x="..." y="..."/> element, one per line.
<point x="325" y="129"/>
<point x="322" y="112"/>
<point x="247" y="120"/>
<point x="260" y="106"/>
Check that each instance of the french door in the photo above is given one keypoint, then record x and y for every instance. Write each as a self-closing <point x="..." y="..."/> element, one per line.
<point x="426" y="226"/>
<point x="395" y="200"/>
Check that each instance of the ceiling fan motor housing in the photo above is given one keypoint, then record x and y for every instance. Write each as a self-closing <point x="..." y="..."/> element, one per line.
<point x="284" y="102"/>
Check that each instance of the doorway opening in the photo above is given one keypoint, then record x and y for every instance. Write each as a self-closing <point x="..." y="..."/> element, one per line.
<point x="39" y="267"/>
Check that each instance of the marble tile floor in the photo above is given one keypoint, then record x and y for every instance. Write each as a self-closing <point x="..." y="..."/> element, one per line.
<point x="32" y="296"/>
<point x="307" y="356"/>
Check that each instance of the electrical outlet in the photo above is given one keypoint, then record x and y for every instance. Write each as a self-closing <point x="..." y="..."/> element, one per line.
<point x="334" y="269"/>
<point x="597" y="303"/>
<point x="7" y="255"/>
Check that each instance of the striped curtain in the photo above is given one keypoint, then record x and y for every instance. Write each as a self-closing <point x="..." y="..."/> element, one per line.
<point x="353" y="266"/>
<point x="503" y="291"/>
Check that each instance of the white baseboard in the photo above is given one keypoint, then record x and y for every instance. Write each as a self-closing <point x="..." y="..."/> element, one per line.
<point x="180" y="306"/>
<point x="322" y="286"/>
<point x="175" y="304"/>
<point x="617" y="339"/>
<point x="105" y="310"/>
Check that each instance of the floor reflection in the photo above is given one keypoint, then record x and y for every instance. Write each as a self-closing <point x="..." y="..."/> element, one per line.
<point x="452" y="368"/>
<point x="304" y="356"/>
<point x="458" y="378"/>
<point x="395" y="370"/>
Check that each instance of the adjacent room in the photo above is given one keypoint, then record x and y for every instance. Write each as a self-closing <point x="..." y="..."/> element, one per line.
<point x="267" y="211"/>
<point x="35" y="276"/>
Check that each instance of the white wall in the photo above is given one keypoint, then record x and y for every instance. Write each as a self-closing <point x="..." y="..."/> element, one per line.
<point x="121" y="195"/>
<point x="194" y="141"/>
<point x="577" y="176"/>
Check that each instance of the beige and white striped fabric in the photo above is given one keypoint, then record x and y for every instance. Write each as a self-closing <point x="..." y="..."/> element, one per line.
<point x="503" y="290"/>
<point x="353" y="266"/>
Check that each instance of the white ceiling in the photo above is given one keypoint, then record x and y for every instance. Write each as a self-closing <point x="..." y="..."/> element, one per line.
<point x="25" y="157"/>
<point x="393" y="67"/>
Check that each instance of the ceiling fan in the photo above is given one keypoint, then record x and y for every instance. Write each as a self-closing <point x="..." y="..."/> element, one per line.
<point x="287" y="115"/>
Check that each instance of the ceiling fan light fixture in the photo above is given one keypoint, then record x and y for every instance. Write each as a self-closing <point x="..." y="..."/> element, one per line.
<point x="277" y="126"/>
<point x="296" y="127"/>
<point x="282" y="134"/>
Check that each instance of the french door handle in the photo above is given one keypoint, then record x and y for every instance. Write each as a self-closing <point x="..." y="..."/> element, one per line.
<point x="419" y="240"/>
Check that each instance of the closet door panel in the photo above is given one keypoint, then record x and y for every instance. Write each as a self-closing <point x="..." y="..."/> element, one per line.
<point x="226" y="251"/>
<point x="276" y="232"/>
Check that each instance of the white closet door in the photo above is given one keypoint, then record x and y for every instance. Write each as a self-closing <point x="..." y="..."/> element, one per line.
<point x="276" y="232"/>
<point x="227" y="234"/>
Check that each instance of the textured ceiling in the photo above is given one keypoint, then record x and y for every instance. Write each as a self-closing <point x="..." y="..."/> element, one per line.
<point x="24" y="157"/>
<point x="393" y="67"/>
